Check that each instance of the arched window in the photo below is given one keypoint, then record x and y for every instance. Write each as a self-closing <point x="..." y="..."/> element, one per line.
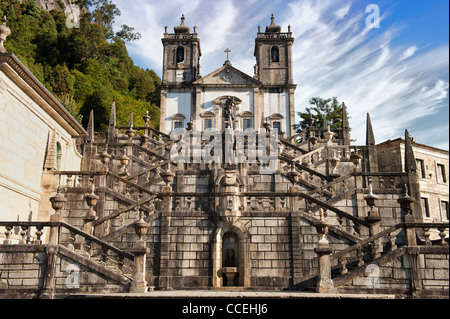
<point x="275" y="54"/>
<point x="180" y="54"/>
<point x="58" y="156"/>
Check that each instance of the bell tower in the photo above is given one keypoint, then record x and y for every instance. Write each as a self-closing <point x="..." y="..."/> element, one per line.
<point x="273" y="52"/>
<point x="181" y="64"/>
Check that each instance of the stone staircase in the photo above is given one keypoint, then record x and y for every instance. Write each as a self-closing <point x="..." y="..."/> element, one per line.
<point x="126" y="177"/>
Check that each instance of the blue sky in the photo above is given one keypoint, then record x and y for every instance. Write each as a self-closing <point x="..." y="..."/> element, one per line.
<point x="399" y="72"/>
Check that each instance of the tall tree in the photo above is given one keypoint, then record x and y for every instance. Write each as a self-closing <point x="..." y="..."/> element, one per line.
<point x="320" y="109"/>
<point x="86" y="67"/>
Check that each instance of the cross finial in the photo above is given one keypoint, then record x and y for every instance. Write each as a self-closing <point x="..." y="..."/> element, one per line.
<point x="227" y="51"/>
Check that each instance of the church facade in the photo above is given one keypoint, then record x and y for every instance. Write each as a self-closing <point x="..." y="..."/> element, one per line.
<point x="138" y="209"/>
<point x="267" y="96"/>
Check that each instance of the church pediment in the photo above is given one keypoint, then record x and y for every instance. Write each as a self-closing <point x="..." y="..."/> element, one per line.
<point x="227" y="76"/>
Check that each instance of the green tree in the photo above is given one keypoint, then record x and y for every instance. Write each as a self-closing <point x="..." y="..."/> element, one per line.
<point x="320" y="109"/>
<point x="87" y="67"/>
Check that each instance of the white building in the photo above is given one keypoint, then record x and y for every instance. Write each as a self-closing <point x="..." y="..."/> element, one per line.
<point x="37" y="135"/>
<point x="268" y="96"/>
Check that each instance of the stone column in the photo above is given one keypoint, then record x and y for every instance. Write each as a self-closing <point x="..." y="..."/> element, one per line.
<point x="258" y="108"/>
<point x="405" y="203"/>
<point x="323" y="251"/>
<point x="360" y="203"/>
<point x="163" y="111"/>
<point x="139" y="284"/>
<point x="58" y="202"/>
<point x="164" y="279"/>
<point x="290" y="131"/>
<point x="91" y="216"/>
<point x="374" y="219"/>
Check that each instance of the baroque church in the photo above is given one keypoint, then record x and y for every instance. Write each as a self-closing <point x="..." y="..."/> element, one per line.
<point x="250" y="205"/>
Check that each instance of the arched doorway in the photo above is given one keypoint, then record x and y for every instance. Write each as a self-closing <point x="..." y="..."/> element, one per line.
<point x="230" y="257"/>
<point x="231" y="237"/>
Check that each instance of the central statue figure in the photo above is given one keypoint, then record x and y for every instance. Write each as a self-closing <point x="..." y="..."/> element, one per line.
<point x="228" y="112"/>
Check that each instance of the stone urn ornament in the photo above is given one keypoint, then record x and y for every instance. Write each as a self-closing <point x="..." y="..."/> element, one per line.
<point x="58" y="201"/>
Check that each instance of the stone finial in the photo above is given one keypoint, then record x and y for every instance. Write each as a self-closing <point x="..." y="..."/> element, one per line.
<point x="112" y="117"/>
<point x="410" y="160"/>
<point x="370" y="137"/>
<point x="90" y="127"/>
<point x="51" y="156"/>
<point x="5" y="31"/>
<point x="345" y="125"/>
<point x="112" y="131"/>
<point x="182" y="28"/>
<point x="344" y="116"/>
<point x="273" y="27"/>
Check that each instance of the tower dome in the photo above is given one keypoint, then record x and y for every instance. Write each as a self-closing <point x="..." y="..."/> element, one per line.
<point x="273" y="27"/>
<point x="182" y="28"/>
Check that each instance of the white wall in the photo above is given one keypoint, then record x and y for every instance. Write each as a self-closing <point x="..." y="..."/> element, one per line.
<point x="25" y="128"/>
<point x="177" y="102"/>
<point x="245" y="95"/>
<point x="277" y="103"/>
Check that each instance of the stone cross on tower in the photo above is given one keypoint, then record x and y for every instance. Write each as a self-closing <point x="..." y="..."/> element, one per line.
<point x="227" y="51"/>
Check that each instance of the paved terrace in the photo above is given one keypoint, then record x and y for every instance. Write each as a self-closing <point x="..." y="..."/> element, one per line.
<point x="229" y="294"/>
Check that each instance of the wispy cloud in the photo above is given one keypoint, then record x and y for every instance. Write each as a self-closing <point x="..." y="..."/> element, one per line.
<point x="409" y="52"/>
<point x="334" y="54"/>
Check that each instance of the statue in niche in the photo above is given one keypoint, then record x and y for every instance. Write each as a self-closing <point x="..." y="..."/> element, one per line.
<point x="228" y="112"/>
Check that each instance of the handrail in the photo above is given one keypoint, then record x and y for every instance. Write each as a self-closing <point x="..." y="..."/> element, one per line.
<point x="295" y="147"/>
<point x="96" y="240"/>
<point x="310" y="153"/>
<point x="305" y="168"/>
<point x="322" y="188"/>
<point x="142" y="149"/>
<point x="123" y="210"/>
<point x="124" y="180"/>
<point x="72" y="229"/>
<point x="131" y="177"/>
<point x="144" y="128"/>
<point x="386" y="232"/>
<point x="336" y="210"/>
<point x="366" y="241"/>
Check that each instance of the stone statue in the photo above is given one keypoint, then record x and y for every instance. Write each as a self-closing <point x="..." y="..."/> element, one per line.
<point x="228" y="113"/>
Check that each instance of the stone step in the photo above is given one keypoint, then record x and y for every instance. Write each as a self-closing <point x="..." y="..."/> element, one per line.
<point x="230" y="294"/>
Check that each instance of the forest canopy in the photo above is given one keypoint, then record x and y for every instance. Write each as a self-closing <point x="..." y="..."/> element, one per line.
<point x="85" y="67"/>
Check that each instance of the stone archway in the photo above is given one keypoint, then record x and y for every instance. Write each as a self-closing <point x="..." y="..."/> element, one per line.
<point x="242" y="260"/>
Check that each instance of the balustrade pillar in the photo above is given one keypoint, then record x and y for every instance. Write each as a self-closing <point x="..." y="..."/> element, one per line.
<point x="323" y="251"/>
<point x="58" y="202"/>
<point x="140" y="250"/>
<point x="374" y="219"/>
<point x="405" y="203"/>
<point x="91" y="201"/>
